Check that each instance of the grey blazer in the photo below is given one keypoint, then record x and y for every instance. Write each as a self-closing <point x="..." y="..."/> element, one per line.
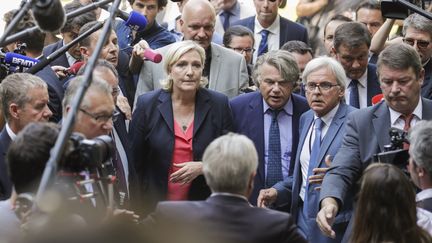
<point x="228" y="72"/>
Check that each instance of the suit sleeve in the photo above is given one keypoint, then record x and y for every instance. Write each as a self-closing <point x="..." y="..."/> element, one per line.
<point x="346" y="167"/>
<point x="291" y="233"/>
<point x="243" y="75"/>
<point x="145" y="80"/>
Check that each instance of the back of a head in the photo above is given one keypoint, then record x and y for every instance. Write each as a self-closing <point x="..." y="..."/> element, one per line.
<point x="387" y="208"/>
<point x="420" y="138"/>
<point x="28" y="154"/>
<point x="86" y="42"/>
<point x="400" y="56"/>
<point x="229" y="162"/>
<point x="352" y="35"/>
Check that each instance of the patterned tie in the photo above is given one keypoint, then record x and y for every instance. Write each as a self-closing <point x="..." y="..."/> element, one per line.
<point x="313" y="158"/>
<point x="407" y="127"/>
<point x="274" y="164"/>
<point x="263" y="46"/>
<point x="354" y="93"/>
<point x="226" y="23"/>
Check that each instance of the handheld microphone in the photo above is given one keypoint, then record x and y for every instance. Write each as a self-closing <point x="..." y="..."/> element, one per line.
<point x="134" y="20"/>
<point x="15" y="59"/>
<point x="49" y="15"/>
<point x="152" y="56"/>
<point x="377" y="98"/>
<point x="75" y="67"/>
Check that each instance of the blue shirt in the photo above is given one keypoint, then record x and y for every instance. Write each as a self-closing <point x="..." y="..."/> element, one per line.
<point x="285" y="130"/>
<point x="156" y="36"/>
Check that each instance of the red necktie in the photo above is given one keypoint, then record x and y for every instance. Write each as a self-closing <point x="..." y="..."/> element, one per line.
<point x="407" y="126"/>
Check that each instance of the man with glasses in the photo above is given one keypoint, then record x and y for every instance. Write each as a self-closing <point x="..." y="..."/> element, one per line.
<point x="367" y="130"/>
<point x="417" y="32"/>
<point x="241" y="40"/>
<point x="270" y="118"/>
<point x="351" y="47"/>
<point x="321" y="132"/>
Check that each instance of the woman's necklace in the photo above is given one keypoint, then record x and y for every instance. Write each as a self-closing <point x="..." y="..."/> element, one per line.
<point x="184" y="123"/>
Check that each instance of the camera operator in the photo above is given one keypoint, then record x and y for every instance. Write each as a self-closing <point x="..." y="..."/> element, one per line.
<point x="94" y="118"/>
<point x="27" y="157"/>
<point x="401" y="76"/>
<point x="24" y="99"/>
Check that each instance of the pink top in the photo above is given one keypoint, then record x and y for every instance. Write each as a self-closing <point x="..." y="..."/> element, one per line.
<point x="182" y="153"/>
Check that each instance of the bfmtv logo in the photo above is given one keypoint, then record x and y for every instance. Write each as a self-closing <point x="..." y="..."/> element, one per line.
<point x="22" y="62"/>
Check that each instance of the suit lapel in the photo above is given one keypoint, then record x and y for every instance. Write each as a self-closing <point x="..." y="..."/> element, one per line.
<point x="165" y="109"/>
<point x="335" y="126"/>
<point x="381" y="123"/>
<point x="256" y="115"/>
<point x="427" y="109"/>
<point x="214" y="66"/>
<point x="202" y="107"/>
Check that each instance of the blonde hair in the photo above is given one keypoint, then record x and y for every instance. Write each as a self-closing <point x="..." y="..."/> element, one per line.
<point x="175" y="52"/>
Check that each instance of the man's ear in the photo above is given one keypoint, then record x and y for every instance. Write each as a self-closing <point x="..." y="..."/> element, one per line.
<point x="84" y="52"/>
<point x="14" y="110"/>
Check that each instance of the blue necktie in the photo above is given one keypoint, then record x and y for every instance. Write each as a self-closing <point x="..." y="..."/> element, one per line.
<point x="263" y="46"/>
<point x="274" y="164"/>
<point x="354" y="93"/>
<point x="313" y="158"/>
<point x="226" y="23"/>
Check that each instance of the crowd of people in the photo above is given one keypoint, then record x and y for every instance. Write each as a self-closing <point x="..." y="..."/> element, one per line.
<point x="253" y="128"/>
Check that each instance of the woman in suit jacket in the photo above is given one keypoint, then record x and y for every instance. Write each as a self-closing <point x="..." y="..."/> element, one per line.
<point x="172" y="126"/>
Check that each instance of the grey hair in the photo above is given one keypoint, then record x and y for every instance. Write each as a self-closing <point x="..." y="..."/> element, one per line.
<point x="15" y="88"/>
<point x="282" y="60"/>
<point x="228" y="163"/>
<point x="174" y="53"/>
<point x="326" y="62"/>
<point x="420" y="138"/>
<point x="417" y="22"/>
<point x="351" y="34"/>
<point x="400" y="56"/>
<point x="97" y="84"/>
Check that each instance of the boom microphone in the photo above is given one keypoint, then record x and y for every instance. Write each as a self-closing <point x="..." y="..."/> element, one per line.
<point x="134" y="20"/>
<point x="49" y="15"/>
<point x="15" y="59"/>
<point x="152" y="56"/>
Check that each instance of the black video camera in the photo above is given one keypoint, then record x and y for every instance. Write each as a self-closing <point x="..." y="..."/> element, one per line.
<point x="394" y="153"/>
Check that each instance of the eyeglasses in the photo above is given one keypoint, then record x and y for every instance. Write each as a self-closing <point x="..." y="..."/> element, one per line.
<point x="102" y="118"/>
<point x="115" y="91"/>
<point x="324" y="86"/>
<point x="421" y="44"/>
<point x="241" y="50"/>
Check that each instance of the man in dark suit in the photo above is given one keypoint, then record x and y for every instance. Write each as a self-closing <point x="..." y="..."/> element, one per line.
<point x="420" y="163"/>
<point x="351" y="47"/>
<point x="229" y="166"/>
<point x="24" y="99"/>
<point x="324" y="82"/>
<point x="271" y="30"/>
<point x="275" y="74"/>
<point x="417" y="32"/>
<point x="69" y="32"/>
<point x="367" y="130"/>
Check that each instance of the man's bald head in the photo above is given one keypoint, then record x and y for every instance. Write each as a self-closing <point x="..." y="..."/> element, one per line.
<point x="198" y="21"/>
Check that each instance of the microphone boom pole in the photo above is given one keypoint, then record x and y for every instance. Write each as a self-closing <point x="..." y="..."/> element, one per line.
<point x="44" y="61"/>
<point x="70" y="15"/>
<point x="66" y="129"/>
<point x="23" y="10"/>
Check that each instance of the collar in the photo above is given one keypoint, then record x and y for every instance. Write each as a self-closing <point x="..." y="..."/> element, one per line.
<point x="273" y="28"/>
<point x="288" y="107"/>
<point x="362" y="80"/>
<point x="394" y="115"/>
<point x="424" y="194"/>
<point x="11" y="134"/>
<point x="227" y="194"/>
<point x="235" y="9"/>
<point x="328" y="118"/>
<point x="71" y="60"/>
<point x="426" y="63"/>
